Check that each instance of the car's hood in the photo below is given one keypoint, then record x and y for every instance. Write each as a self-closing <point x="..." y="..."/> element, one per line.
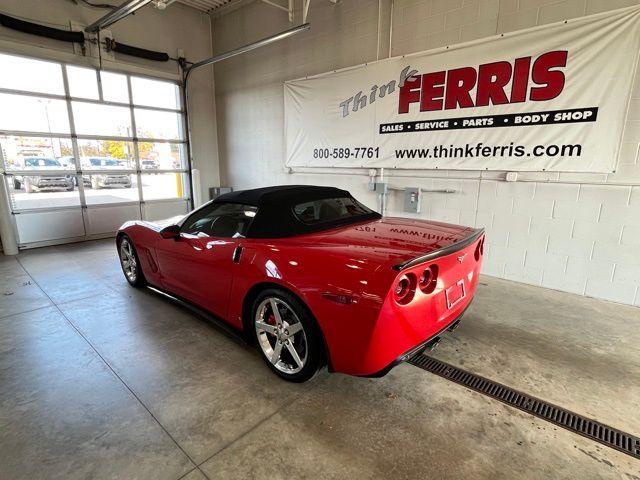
<point x="160" y="224"/>
<point x="55" y="169"/>
<point x="389" y="239"/>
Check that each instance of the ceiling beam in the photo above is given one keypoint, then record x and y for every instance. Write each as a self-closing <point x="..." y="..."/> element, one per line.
<point x="247" y="48"/>
<point x="127" y="8"/>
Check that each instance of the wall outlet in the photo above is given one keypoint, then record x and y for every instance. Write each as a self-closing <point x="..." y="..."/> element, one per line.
<point x="412" y="200"/>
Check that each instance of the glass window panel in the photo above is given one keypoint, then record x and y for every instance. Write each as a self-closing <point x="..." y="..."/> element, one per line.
<point x="162" y="125"/>
<point x="36" y="153"/>
<point x="83" y="82"/>
<point x="19" y="112"/>
<point x="103" y="120"/>
<point x="106" y="155"/>
<point x="156" y="186"/>
<point x="41" y="190"/>
<point x="110" y="187"/>
<point x="155" y="93"/>
<point x="38" y="76"/>
<point x="114" y="87"/>
<point x="228" y="220"/>
<point x="161" y="156"/>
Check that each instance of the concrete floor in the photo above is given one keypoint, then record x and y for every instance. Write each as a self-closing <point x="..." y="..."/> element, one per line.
<point x="99" y="380"/>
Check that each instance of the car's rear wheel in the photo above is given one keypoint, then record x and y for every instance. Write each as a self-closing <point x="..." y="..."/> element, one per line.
<point x="130" y="262"/>
<point x="287" y="336"/>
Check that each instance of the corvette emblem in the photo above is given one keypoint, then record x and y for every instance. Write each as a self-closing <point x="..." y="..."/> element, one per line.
<point x="461" y="258"/>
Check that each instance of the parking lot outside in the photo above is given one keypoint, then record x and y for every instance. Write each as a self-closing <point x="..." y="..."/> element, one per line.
<point x="154" y="187"/>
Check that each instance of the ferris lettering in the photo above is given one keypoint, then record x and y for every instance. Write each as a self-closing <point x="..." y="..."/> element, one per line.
<point x="536" y="79"/>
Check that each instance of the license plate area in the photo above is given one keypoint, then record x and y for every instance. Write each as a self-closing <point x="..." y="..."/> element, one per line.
<point x="455" y="293"/>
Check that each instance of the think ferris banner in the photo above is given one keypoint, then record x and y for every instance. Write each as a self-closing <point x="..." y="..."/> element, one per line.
<point x="551" y="98"/>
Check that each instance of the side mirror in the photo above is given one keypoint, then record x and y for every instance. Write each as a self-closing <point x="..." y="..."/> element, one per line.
<point x="171" y="231"/>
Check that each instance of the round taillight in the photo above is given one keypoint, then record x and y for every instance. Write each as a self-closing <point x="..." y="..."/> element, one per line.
<point x="429" y="279"/>
<point x="426" y="278"/>
<point x="405" y="288"/>
<point x="479" y="251"/>
<point x="402" y="287"/>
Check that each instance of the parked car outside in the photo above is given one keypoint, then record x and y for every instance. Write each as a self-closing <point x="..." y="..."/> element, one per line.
<point x="38" y="183"/>
<point x="105" y="180"/>
<point x="149" y="164"/>
<point x="68" y="162"/>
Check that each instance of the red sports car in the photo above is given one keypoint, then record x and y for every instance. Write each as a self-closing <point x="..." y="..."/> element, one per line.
<point x="311" y="275"/>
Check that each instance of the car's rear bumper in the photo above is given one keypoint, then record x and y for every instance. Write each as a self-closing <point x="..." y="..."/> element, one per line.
<point x="401" y="328"/>
<point x="431" y="341"/>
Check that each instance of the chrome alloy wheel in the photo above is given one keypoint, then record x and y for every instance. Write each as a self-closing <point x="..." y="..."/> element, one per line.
<point x="281" y="335"/>
<point x="128" y="260"/>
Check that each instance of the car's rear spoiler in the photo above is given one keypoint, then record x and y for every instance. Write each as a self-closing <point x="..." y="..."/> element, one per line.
<point x="441" y="252"/>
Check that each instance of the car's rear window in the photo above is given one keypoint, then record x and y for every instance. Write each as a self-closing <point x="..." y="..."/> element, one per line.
<point x="329" y="210"/>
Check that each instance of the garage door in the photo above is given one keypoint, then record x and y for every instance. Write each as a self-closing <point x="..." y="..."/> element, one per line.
<point x="84" y="150"/>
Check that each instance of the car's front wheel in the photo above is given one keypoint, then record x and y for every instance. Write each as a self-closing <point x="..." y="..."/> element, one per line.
<point x="130" y="262"/>
<point x="287" y="336"/>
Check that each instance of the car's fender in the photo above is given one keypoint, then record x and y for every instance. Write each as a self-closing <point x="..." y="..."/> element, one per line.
<point x="144" y="236"/>
<point x="344" y="292"/>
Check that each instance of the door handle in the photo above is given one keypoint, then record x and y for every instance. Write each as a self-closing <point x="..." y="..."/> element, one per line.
<point x="237" y="253"/>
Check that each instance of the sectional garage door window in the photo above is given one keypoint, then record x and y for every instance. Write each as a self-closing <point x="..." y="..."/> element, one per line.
<point x="90" y="148"/>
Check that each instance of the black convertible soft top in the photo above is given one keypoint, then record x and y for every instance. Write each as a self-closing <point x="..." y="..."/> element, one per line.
<point x="275" y="217"/>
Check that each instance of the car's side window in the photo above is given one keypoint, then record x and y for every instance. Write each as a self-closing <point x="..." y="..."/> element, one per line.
<point x="226" y="220"/>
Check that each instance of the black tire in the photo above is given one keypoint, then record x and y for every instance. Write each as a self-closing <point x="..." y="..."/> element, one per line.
<point x="314" y="344"/>
<point x="138" y="281"/>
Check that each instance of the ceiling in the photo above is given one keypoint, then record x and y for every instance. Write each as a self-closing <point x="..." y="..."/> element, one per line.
<point x="207" y="5"/>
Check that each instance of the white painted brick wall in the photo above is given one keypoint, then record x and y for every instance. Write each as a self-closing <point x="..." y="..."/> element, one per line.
<point x="578" y="233"/>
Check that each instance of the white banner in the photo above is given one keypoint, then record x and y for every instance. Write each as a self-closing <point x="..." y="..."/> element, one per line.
<point x="550" y="98"/>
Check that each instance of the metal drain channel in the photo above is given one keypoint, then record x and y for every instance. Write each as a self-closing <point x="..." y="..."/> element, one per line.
<point x="604" y="434"/>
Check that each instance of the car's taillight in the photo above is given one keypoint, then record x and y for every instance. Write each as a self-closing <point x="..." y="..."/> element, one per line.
<point x="405" y="288"/>
<point x="429" y="279"/>
<point x="479" y="249"/>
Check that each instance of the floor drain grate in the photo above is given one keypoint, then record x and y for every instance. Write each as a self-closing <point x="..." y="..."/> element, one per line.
<point x="584" y="426"/>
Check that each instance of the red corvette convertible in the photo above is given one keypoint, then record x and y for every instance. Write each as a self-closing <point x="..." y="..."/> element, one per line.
<point x="311" y="275"/>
